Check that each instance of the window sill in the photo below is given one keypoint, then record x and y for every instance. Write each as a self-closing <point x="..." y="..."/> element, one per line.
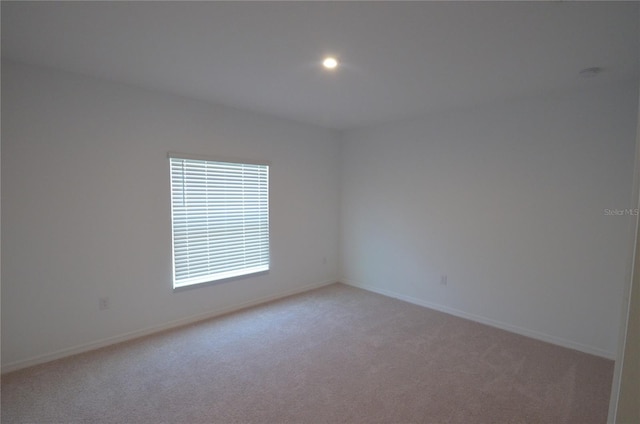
<point x="220" y="281"/>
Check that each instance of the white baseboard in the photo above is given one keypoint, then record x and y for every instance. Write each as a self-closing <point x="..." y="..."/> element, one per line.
<point x="47" y="357"/>
<point x="488" y="321"/>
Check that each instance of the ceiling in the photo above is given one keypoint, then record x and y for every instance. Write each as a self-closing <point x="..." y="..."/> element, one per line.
<point x="397" y="59"/>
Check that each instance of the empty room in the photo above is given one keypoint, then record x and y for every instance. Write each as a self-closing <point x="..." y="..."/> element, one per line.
<point x="320" y="212"/>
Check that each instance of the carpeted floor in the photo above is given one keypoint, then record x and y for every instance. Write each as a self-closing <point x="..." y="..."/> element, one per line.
<point x="333" y="355"/>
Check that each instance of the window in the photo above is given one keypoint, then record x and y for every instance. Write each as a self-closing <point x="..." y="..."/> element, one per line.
<point x="219" y="218"/>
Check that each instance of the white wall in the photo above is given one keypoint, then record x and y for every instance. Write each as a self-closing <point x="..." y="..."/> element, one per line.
<point x="86" y="212"/>
<point x="507" y="200"/>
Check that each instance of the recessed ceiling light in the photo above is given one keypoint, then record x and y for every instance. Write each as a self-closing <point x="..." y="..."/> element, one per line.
<point x="330" y="63"/>
<point x="590" y="72"/>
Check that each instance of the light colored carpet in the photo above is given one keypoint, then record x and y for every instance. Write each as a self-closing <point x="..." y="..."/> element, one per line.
<point x="333" y="355"/>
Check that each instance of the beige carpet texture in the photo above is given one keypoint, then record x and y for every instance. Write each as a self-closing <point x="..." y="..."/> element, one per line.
<point x="332" y="355"/>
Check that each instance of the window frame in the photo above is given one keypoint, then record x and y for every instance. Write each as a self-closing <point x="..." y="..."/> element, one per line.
<point x="222" y="159"/>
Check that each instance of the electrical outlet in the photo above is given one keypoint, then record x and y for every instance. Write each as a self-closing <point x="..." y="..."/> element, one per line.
<point x="104" y="303"/>
<point x="443" y="279"/>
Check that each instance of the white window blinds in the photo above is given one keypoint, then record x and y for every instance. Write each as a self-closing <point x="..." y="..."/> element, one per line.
<point x="220" y="219"/>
